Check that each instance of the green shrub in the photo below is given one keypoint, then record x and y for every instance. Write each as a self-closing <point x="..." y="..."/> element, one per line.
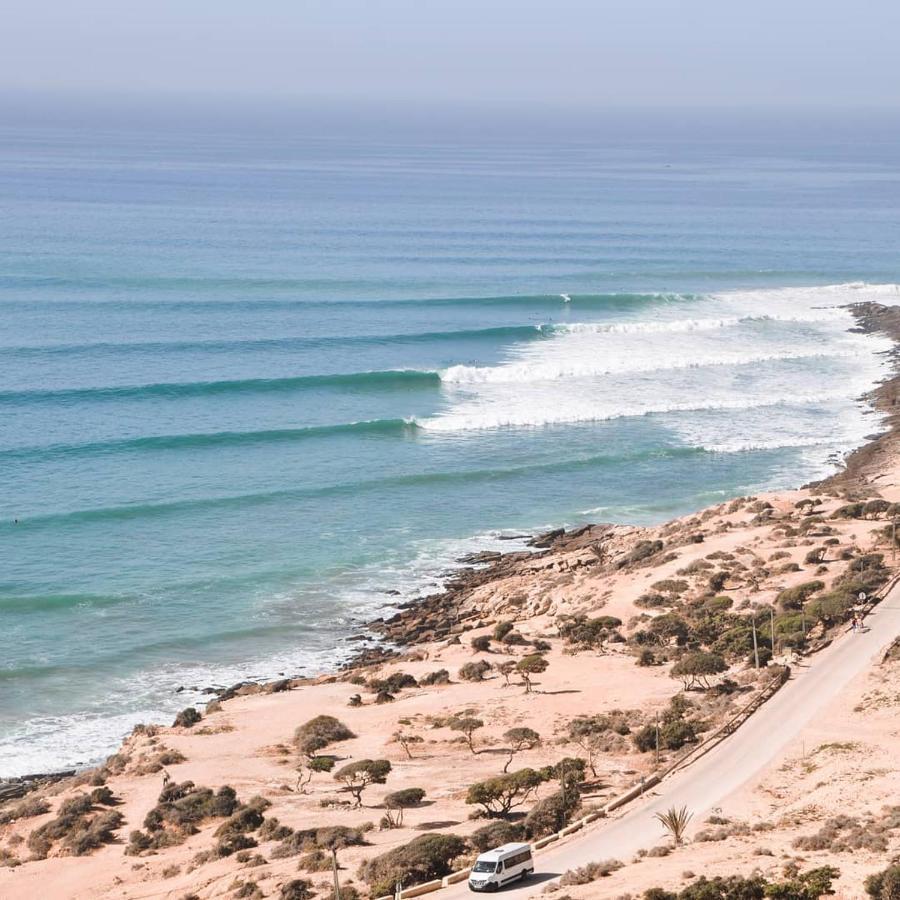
<point x="481" y="644"/>
<point x="795" y="597"/>
<point x="552" y="813"/>
<point x="642" y="550"/>
<point x="849" y="511"/>
<point x="585" y="633"/>
<point x="884" y="885"/>
<point x="298" y="889"/>
<point x="495" y="835"/>
<point x="178" y="812"/>
<point x="502" y="629"/>
<point x="503" y="793"/>
<point x="27" y="809"/>
<point x="424" y="858"/>
<point x="670" y="586"/>
<point x="78" y="830"/>
<point x="475" y="671"/>
<point x="393" y="684"/>
<point x="696" y="668"/>
<point x="187" y="718"/>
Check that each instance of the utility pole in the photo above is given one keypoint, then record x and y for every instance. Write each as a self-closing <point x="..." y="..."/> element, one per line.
<point x="893" y="540"/>
<point x="334" y="866"/>
<point x="772" y="626"/>
<point x="657" y="740"/>
<point x="755" y="644"/>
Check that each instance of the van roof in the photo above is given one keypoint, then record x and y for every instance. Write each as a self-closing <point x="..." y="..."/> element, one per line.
<point x="498" y="852"/>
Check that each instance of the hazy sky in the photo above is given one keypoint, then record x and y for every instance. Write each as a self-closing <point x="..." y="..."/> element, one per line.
<point x="601" y="53"/>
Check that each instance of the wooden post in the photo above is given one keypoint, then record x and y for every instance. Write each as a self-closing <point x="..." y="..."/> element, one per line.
<point x="334" y="866"/>
<point x="657" y="740"/>
<point x="755" y="644"/>
<point x="772" y="626"/>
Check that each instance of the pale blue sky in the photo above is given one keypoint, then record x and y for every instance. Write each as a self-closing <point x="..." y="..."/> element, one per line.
<point x="568" y="53"/>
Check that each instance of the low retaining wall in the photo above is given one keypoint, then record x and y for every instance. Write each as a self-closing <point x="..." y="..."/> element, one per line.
<point x="420" y="889"/>
<point x="455" y="877"/>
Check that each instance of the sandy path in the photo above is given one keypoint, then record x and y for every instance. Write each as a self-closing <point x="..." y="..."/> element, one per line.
<point x="708" y="782"/>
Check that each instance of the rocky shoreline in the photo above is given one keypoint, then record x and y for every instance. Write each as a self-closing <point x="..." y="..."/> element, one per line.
<point x="454" y="610"/>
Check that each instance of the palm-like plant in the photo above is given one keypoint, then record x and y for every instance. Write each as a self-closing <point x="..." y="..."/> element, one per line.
<point x="675" y="821"/>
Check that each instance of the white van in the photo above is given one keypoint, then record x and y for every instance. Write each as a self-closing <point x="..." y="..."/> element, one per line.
<point x="501" y="866"/>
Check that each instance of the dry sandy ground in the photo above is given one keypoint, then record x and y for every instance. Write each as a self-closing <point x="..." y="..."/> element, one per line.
<point x="845" y="762"/>
<point x="247" y="744"/>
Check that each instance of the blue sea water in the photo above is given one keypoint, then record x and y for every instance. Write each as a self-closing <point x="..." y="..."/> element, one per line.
<point x="250" y="383"/>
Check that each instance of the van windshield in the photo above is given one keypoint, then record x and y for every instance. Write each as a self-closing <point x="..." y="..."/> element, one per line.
<point x="484" y="866"/>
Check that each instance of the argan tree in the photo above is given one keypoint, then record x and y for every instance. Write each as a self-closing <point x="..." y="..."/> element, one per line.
<point x="357" y="776"/>
<point x="503" y="793"/>
<point x="527" y="666"/>
<point x="406" y="740"/>
<point x="695" y="669"/>
<point x="520" y="739"/>
<point x="396" y="802"/>
<point x="309" y="768"/>
<point x="506" y="669"/>
<point x="467" y="725"/>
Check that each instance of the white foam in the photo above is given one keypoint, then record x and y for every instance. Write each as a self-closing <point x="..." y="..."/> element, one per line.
<point x="55" y="743"/>
<point x="746" y="349"/>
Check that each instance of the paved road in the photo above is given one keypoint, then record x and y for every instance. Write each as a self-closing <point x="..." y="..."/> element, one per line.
<point x="709" y="781"/>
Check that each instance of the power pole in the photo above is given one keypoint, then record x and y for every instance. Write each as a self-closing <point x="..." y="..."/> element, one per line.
<point x="755" y="644"/>
<point x="657" y="740"/>
<point x="334" y="866"/>
<point x="772" y="626"/>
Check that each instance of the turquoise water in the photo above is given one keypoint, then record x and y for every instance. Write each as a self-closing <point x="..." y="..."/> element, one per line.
<point x="250" y="384"/>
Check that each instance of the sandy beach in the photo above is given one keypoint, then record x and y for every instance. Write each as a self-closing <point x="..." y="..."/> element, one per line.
<point x="584" y="627"/>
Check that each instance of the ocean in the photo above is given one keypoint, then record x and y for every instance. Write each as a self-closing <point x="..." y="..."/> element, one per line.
<point x="252" y="385"/>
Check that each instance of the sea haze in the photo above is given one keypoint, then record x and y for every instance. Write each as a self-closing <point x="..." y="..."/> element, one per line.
<point x="251" y="382"/>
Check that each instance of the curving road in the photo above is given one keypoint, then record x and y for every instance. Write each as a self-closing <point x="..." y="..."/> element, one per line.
<point x="706" y="783"/>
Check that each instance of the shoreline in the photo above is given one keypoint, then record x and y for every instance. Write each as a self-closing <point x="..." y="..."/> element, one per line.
<point x="441" y="614"/>
<point x="714" y="568"/>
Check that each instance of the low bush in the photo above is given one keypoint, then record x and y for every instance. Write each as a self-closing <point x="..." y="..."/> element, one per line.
<point x="884" y="885"/>
<point x="178" y="812"/>
<point x="481" y="644"/>
<point x="795" y="597"/>
<point x="319" y="732"/>
<point x="475" y="671"/>
<point x="439" y="676"/>
<point x="26" y="809"/>
<point x="809" y="886"/>
<point x="76" y="828"/>
<point x="552" y="813"/>
<point x="393" y="684"/>
<point x="495" y="835"/>
<point x="309" y="839"/>
<point x="298" y="889"/>
<point x="849" y="511"/>
<point x="424" y="858"/>
<point x="187" y="718"/>
<point x="642" y="551"/>
<point x="590" y="872"/>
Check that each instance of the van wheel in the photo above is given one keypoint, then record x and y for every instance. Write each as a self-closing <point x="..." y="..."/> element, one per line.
<point x="527" y="873"/>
